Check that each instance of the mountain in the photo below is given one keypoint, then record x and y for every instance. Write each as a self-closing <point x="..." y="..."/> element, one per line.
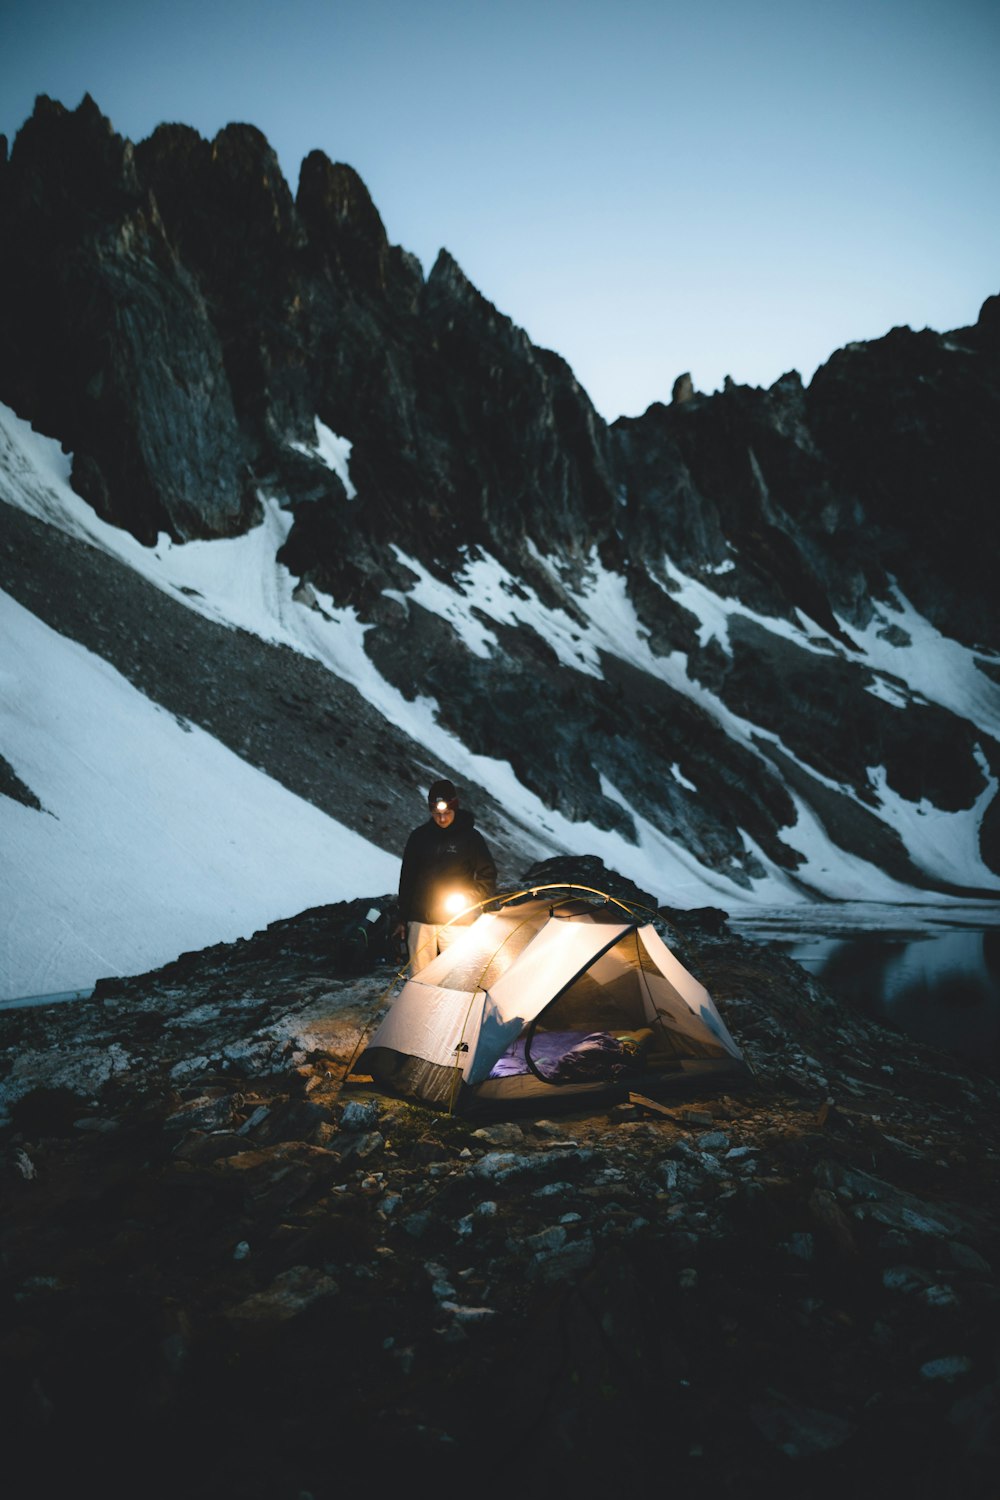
<point x="271" y="495"/>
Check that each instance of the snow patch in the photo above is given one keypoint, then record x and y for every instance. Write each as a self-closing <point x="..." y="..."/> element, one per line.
<point x="888" y="692"/>
<point x="941" y="843"/>
<point x="933" y="666"/>
<point x="483" y="587"/>
<point x="833" y="871"/>
<point x="156" y="839"/>
<point x="678" y="775"/>
<point x="333" y="451"/>
<point x="447" y="603"/>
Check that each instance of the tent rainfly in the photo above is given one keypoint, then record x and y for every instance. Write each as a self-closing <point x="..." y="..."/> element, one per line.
<point x="550" y="1000"/>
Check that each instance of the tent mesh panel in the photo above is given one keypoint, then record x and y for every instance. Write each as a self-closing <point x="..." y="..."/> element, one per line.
<point x="623" y="1000"/>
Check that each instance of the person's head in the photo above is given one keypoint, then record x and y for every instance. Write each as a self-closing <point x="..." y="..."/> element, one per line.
<point x="442" y="799"/>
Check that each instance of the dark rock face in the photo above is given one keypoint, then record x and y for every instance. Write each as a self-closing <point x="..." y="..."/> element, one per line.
<point x="725" y="478"/>
<point x="882" y="470"/>
<point x="12" y="786"/>
<point x="910" y="423"/>
<point x="180" y="322"/>
<point x="108" y="341"/>
<point x="229" y="217"/>
<point x="262" y="313"/>
<point x="821" y="706"/>
<point x="533" y="453"/>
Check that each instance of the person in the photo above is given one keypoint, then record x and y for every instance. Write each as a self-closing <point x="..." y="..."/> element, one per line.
<point x="447" y="867"/>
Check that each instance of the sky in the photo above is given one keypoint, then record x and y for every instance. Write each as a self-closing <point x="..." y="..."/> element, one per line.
<point x="726" y="187"/>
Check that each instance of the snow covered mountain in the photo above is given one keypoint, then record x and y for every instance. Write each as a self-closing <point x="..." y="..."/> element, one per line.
<point x="287" y="530"/>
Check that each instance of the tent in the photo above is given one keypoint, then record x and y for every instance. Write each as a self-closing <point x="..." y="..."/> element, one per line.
<point x="550" y="1000"/>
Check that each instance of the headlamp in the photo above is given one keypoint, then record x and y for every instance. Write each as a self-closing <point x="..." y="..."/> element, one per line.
<point x="440" y="805"/>
<point x="455" y="902"/>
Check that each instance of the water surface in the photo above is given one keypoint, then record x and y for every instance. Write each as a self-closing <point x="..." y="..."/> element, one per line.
<point x="931" y="971"/>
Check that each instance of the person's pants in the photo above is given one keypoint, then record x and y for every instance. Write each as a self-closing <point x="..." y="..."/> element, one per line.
<point x="425" y="940"/>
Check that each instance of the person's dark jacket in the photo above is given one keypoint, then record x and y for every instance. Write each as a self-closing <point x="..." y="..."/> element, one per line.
<point x="437" y="861"/>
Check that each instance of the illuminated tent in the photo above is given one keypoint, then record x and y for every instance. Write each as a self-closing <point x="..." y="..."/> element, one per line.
<point x="549" y="1000"/>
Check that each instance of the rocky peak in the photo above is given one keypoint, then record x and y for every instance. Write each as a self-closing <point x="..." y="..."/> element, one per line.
<point x="534" y="429"/>
<point x="226" y="204"/>
<point x="726" y="476"/>
<point x="348" y="253"/>
<point x="72" y="166"/>
<point x="230" y="215"/>
<point x="988" y="324"/>
<point x="447" y="279"/>
<point x="343" y="224"/>
<point x="455" y="310"/>
<point x="108" y="343"/>
<point x="246" y="160"/>
<point x="909" y="428"/>
<point x="683" y="390"/>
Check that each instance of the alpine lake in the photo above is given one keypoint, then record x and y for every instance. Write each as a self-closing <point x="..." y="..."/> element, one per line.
<point x="932" y="972"/>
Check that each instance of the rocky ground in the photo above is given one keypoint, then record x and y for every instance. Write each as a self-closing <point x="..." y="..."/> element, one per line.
<point x="228" y="1271"/>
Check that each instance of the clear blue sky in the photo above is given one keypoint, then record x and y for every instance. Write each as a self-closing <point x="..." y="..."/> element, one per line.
<point x="721" y="186"/>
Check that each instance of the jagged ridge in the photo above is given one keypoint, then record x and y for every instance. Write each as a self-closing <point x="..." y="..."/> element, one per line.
<point x="179" y="321"/>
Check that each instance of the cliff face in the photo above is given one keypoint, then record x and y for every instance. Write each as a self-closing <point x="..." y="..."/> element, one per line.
<point x="109" y="342"/>
<point x="720" y="621"/>
<point x="880" y="471"/>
